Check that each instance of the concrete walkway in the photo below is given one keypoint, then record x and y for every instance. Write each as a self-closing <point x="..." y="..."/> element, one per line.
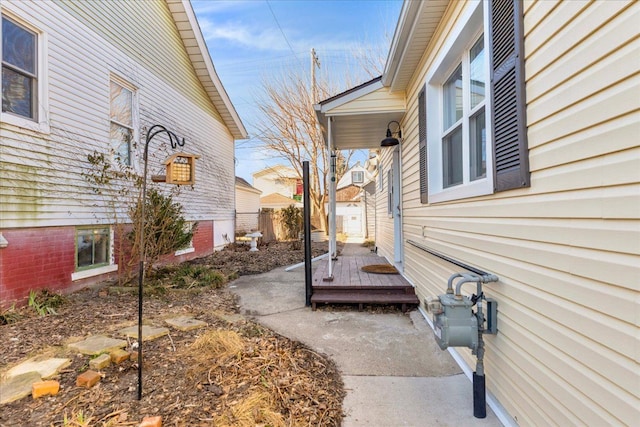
<point x="394" y="372"/>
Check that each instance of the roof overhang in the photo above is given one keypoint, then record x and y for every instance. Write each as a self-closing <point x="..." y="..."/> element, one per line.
<point x="417" y="24"/>
<point x="187" y="24"/>
<point x="359" y="116"/>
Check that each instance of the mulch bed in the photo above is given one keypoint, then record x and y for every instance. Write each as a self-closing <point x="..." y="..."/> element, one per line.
<point x="267" y="380"/>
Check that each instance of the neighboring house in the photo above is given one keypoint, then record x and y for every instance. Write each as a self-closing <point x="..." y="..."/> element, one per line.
<point x="519" y="156"/>
<point x="279" y="179"/>
<point x="95" y="76"/>
<point x="247" y="206"/>
<point x="350" y="211"/>
<point x="277" y="201"/>
<point x="356" y="175"/>
<point x="355" y="203"/>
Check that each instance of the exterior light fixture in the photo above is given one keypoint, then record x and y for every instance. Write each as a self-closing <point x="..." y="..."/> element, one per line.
<point x="390" y="141"/>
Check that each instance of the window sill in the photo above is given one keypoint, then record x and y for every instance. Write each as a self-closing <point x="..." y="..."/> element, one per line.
<point x="78" y="275"/>
<point x="184" y="251"/>
<point x="477" y="188"/>
<point x="41" y="127"/>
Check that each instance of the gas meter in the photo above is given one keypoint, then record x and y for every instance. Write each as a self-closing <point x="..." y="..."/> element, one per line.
<point x="455" y="324"/>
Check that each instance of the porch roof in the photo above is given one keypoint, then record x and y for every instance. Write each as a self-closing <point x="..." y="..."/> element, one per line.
<point x="360" y="115"/>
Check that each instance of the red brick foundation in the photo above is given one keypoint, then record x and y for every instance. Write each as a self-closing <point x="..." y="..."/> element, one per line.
<point x="44" y="257"/>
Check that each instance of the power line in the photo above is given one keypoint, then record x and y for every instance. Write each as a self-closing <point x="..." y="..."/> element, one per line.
<point x="282" y="31"/>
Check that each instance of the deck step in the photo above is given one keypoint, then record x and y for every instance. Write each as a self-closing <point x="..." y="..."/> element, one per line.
<point x="410" y="290"/>
<point x="360" y="298"/>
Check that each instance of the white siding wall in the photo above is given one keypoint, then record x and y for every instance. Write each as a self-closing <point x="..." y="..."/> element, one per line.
<point x="41" y="181"/>
<point x="247" y="209"/>
<point x="567" y="249"/>
<point x="274" y="183"/>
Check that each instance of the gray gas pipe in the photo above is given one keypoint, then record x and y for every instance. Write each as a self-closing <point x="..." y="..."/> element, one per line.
<point x="455" y="324"/>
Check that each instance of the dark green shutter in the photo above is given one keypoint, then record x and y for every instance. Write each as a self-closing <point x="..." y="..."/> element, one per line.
<point x="506" y="38"/>
<point x="422" y="135"/>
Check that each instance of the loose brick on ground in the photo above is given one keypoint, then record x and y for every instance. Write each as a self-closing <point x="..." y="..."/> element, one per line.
<point x="100" y="362"/>
<point x="44" y="388"/>
<point x="88" y="379"/>
<point x="151" y="422"/>
<point x="119" y="356"/>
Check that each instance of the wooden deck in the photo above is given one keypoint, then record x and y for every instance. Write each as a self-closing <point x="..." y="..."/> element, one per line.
<point x="351" y="285"/>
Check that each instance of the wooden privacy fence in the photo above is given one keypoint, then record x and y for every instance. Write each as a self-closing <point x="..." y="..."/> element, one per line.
<point x="271" y="226"/>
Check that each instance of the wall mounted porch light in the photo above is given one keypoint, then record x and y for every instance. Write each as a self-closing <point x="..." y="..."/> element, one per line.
<point x="390" y="140"/>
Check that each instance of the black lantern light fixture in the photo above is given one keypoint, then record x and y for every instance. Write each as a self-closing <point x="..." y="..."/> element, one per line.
<point x="390" y="140"/>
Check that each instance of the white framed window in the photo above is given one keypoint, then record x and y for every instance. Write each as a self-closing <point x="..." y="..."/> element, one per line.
<point x="189" y="248"/>
<point x="357" y="177"/>
<point x="458" y="126"/>
<point x="93" y="247"/>
<point x="24" y="91"/>
<point x="390" y="191"/>
<point x="123" y="120"/>
<point x="94" y="252"/>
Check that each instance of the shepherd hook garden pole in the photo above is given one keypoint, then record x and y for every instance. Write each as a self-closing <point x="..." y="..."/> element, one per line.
<point x="173" y="138"/>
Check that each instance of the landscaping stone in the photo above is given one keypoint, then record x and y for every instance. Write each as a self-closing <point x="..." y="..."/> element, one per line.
<point x="185" y="323"/>
<point x="17" y="387"/>
<point x="45" y="388"/>
<point x="88" y="379"/>
<point x="100" y="362"/>
<point x="148" y="332"/>
<point x="46" y="368"/>
<point x="151" y="422"/>
<point x="119" y="356"/>
<point x="97" y="344"/>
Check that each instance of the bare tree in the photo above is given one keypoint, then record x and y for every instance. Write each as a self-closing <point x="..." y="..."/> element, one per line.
<point x="290" y="130"/>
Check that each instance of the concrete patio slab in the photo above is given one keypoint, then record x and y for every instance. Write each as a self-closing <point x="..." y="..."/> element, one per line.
<point x="394" y="372"/>
<point x="97" y="344"/>
<point x="46" y="368"/>
<point x="184" y="323"/>
<point x="17" y="387"/>
<point x="148" y="332"/>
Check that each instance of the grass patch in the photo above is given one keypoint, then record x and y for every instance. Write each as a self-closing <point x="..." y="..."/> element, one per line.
<point x="45" y="302"/>
<point x="10" y="315"/>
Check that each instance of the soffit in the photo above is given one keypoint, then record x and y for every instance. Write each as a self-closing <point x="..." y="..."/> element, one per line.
<point x="417" y="24"/>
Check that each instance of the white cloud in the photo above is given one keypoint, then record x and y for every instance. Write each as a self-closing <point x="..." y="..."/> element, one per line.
<point x="236" y="33"/>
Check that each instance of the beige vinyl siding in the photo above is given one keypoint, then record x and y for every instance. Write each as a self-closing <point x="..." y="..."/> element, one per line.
<point x="384" y="223"/>
<point x="567" y="249"/>
<point x="42" y="183"/>
<point x="378" y="100"/>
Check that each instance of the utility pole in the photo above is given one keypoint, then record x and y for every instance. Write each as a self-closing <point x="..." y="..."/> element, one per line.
<point x="315" y="62"/>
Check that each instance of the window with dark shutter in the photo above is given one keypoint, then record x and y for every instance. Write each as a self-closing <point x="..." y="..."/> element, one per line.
<point x="422" y="134"/>
<point x="506" y="38"/>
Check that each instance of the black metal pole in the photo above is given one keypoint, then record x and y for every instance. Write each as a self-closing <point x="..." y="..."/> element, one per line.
<point x="307" y="233"/>
<point x="141" y="222"/>
<point x="175" y="141"/>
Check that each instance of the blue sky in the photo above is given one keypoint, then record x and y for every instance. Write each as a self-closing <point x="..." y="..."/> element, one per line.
<point x="250" y="39"/>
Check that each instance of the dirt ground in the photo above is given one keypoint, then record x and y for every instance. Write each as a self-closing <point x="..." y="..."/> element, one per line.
<point x="230" y="373"/>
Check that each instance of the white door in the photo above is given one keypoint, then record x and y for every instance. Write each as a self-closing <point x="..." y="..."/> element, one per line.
<point x="396" y="208"/>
